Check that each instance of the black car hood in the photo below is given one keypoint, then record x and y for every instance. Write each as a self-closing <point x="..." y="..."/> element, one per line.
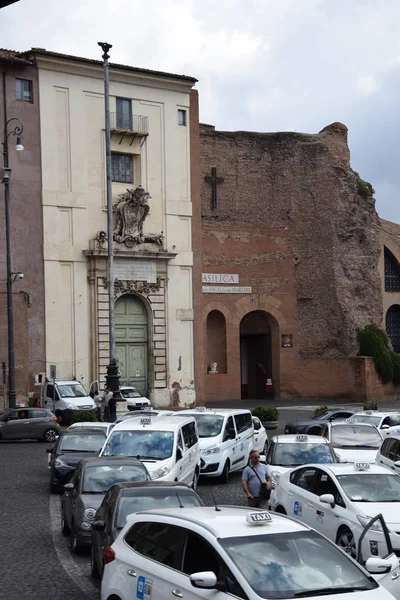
<point x="72" y="459"/>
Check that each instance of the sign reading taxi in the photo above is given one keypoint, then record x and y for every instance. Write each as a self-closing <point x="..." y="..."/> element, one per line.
<point x="259" y="518"/>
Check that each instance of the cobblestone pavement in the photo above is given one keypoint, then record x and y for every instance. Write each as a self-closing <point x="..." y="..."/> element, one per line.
<point x="36" y="563"/>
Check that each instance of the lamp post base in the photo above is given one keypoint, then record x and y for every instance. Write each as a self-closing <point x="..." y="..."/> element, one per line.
<point x="112" y="377"/>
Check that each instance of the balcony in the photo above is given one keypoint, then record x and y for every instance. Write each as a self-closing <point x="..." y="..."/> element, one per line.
<point x="128" y="125"/>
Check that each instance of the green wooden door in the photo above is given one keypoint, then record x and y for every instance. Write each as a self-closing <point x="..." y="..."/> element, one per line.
<point x="131" y="341"/>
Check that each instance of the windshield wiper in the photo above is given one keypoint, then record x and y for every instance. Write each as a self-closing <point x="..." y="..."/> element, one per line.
<point x="90" y="492"/>
<point x="329" y="591"/>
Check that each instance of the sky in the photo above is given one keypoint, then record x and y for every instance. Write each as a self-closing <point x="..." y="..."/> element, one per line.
<point x="262" y="65"/>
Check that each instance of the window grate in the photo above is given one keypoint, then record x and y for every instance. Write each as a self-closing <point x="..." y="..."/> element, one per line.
<point x="392" y="273"/>
<point x="122" y="168"/>
<point x="393" y="326"/>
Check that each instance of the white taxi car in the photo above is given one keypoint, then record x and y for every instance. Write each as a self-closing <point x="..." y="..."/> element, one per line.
<point x="232" y="552"/>
<point x="385" y="421"/>
<point x="389" y="453"/>
<point x="292" y="450"/>
<point x="353" y="441"/>
<point x="260" y="436"/>
<point x="340" y="500"/>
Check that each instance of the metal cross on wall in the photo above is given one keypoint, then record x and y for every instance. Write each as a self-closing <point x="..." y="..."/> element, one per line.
<point x="214" y="180"/>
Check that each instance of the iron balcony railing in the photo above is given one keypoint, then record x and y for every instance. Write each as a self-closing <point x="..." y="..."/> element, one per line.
<point x="129" y="123"/>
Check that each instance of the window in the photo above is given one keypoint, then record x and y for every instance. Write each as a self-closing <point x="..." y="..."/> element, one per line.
<point x="243" y="422"/>
<point x="325" y="485"/>
<point x="181" y="117"/>
<point x="124" y="114"/>
<point x="390" y="449"/>
<point x="392" y="272"/>
<point x="229" y="433"/>
<point x="256" y="423"/>
<point x="24" y="90"/>
<point x="158" y="541"/>
<point x="37" y="414"/>
<point x="189" y="435"/>
<point x="393" y="326"/>
<point x="122" y="168"/>
<point x="304" y="478"/>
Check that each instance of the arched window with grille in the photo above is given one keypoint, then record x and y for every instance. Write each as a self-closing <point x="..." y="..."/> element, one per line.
<point x="392" y="272"/>
<point x="393" y="326"/>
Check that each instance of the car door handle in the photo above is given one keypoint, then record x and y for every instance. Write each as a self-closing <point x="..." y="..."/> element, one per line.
<point x="290" y="494"/>
<point x="177" y="593"/>
<point x="395" y="576"/>
<point x="311" y="505"/>
<point x="131" y="573"/>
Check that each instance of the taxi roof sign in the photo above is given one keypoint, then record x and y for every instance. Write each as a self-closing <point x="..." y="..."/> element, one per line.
<point x="302" y="438"/>
<point x="200" y="408"/>
<point x="145" y="420"/>
<point x="362" y="466"/>
<point x="259" y="518"/>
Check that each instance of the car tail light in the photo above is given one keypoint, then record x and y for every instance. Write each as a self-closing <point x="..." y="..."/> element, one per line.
<point x="55" y="419"/>
<point x="108" y="556"/>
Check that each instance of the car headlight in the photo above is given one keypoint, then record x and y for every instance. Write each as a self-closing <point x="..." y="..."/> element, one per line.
<point x="214" y="449"/>
<point x="60" y="463"/>
<point x="71" y="406"/>
<point x="90" y="513"/>
<point x="275" y="477"/>
<point x="365" y="520"/>
<point x="160" y="472"/>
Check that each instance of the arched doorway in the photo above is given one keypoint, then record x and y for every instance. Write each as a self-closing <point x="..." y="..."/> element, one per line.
<point x="256" y="356"/>
<point x="131" y="341"/>
<point x="393" y="326"/>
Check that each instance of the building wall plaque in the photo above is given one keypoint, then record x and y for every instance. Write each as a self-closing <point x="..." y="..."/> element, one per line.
<point x="135" y="270"/>
<point x="184" y="314"/>
<point x="217" y="289"/>
<point x="219" y="278"/>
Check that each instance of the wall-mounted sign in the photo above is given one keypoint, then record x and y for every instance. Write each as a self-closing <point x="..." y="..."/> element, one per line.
<point x="287" y="340"/>
<point x="135" y="270"/>
<point x="219" y="278"/>
<point x="184" y="314"/>
<point x="217" y="289"/>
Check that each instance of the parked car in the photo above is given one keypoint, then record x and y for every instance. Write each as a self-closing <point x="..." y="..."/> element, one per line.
<point x="123" y="499"/>
<point x="238" y="552"/>
<point x="144" y="413"/>
<point x="260" y="436"/>
<point x="353" y="441"/>
<point x="29" y="423"/>
<point x="91" y="480"/>
<point x="314" y="425"/>
<point x="134" y="399"/>
<point x="69" y="449"/>
<point x="385" y="421"/>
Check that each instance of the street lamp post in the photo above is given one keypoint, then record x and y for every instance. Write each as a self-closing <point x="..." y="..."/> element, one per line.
<point x="112" y="380"/>
<point x="17" y="131"/>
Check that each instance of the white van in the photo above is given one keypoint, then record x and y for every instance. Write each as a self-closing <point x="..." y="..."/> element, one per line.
<point x="169" y="448"/>
<point x="69" y="397"/>
<point x="226" y="438"/>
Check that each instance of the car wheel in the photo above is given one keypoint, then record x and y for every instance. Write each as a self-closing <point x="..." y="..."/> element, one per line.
<point x="345" y="540"/>
<point x="75" y="545"/>
<point x="65" y="530"/>
<point x="50" y="435"/>
<point x="54" y="487"/>
<point x="225" y="473"/>
<point x="60" y="417"/>
<point x="195" y="481"/>
<point x="94" y="569"/>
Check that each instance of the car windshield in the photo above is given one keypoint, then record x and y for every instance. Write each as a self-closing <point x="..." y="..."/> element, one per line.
<point x="355" y="436"/>
<point x="71" y="390"/>
<point x="130" y="394"/>
<point x="371" y="487"/>
<point x="88" y="442"/>
<point x="373" y="420"/>
<point x="146" y="444"/>
<point x="296" y="564"/>
<point x="153" y="499"/>
<point x="99" y="478"/>
<point x="323" y="416"/>
<point x="208" y="425"/>
<point x="301" y="453"/>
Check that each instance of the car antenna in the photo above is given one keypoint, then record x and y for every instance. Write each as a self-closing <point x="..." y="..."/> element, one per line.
<point x="179" y="500"/>
<point x="213" y="499"/>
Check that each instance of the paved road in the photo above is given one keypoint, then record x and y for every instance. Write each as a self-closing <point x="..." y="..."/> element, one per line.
<point x="36" y="563"/>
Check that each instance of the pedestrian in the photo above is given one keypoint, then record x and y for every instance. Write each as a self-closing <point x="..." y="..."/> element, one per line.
<point x="98" y="403"/>
<point x="106" y="401"/>
<point x="256" y="482"/>
<point x="112" y="406"/>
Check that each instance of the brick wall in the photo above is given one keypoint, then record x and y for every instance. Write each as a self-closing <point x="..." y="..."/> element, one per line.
<point x="21" y="344"/>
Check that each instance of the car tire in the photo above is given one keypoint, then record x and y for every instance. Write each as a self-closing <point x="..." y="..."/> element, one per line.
<point x="60" y="417"/>
<point x="94" y="569"/>
<point x="195" y="481"/>
<point x="50" y="435"/>
<point x="65" y="530"/>
<point x="345" y="540"/>
<point x="225" y="473"/>
<point x="54" y="488"/>
<point x="75" y="545"/>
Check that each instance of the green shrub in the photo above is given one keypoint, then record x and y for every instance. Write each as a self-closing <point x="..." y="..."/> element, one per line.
<point x="82" y="415"/>
<point x="364" y="188"/>
<point x="374" y="405"/>
<point x="374" y="342"/>
<point x="320" y="410"/>
<point x="266" y="413"/>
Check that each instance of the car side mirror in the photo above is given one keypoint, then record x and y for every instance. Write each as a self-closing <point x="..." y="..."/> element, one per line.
<point x="377" y="565"/>
<point x="68" y="486"/>
<point x="385" y="427"/>
<point x="179" y="454"/>
<point x="397" y="464"/>
<point x="327" y="499"/>
<point x="263" y="458"/>
<point x="203" y="579"/>
<point x="98" y="525"/>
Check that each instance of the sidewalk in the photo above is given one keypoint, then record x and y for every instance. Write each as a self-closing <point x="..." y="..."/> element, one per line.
<point x="300" y="403"/>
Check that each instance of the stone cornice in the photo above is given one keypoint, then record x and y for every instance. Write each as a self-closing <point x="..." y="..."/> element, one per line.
<point x="98" y="253"/>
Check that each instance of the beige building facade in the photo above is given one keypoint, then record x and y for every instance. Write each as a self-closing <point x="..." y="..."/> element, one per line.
<point x="151" y="189"/>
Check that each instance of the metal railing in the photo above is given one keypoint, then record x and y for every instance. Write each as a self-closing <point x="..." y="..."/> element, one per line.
<point x="129" y="123"/>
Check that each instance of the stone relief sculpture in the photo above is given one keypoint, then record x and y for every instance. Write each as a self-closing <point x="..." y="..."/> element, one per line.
<point x="140" y="287"/>
<point x="131" y="211"/>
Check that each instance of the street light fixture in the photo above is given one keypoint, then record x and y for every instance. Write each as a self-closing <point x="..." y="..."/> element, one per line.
<point x="17" y="131"/>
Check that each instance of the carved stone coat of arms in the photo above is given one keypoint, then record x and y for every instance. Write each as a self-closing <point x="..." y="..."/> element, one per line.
<point x="131" y="211"/>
